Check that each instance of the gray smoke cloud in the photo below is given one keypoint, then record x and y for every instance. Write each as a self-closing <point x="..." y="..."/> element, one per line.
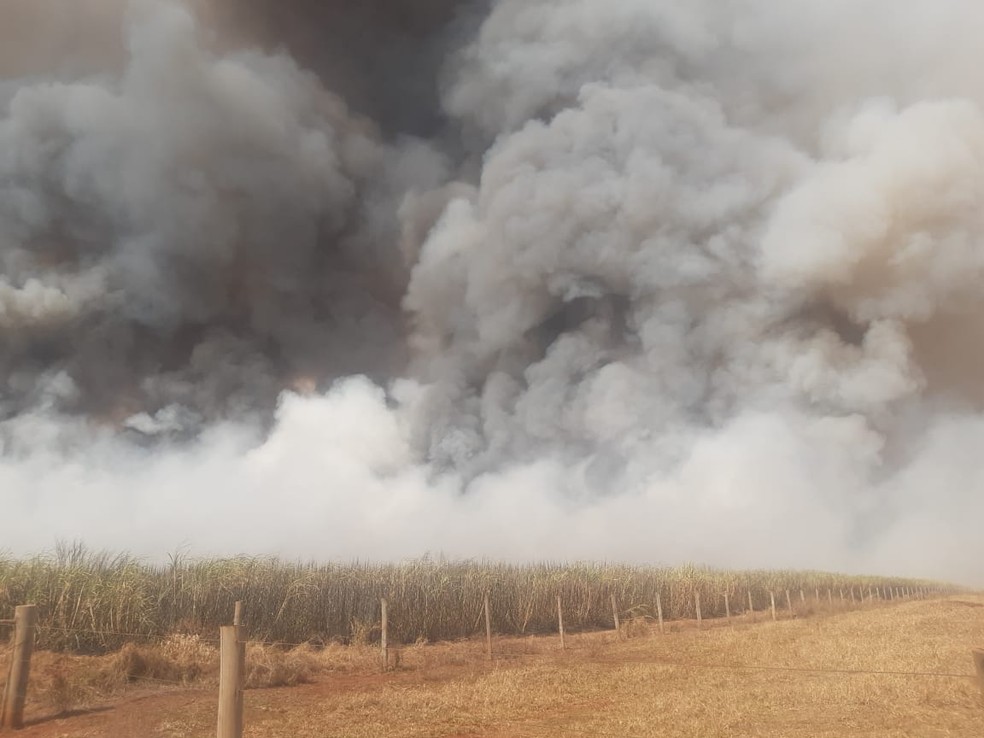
<point x="238" y="219"/>
<point x="523" y="279"/>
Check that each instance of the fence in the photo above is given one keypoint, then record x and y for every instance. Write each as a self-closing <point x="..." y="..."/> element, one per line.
<point x="232" y="649"/>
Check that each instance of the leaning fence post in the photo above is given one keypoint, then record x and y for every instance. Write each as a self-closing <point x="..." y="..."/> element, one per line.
<point x="978" y="654"/>
<point x="488" y="629"/>
<point x="25" y="621"/>
<point x="232" y="667"/>
<point x="659" y="612"/>
<point x="789" y="602"/>
<point x="560" y="622"/>
<point x="727" y="608"/>
<point x="618" y="625"/>
<point x="384" y="634"/>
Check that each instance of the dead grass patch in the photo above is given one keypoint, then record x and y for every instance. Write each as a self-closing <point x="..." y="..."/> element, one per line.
<point x="685" y="683"/>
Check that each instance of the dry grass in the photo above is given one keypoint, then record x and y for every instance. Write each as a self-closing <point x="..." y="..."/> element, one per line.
<point x="686" y="683"/>
<point x="273" y="666"/>
<point x="61" y="683"/>
<point x="635" y="687"/>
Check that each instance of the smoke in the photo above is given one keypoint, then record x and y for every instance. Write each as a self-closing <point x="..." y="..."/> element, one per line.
<point x="521" y="279"/>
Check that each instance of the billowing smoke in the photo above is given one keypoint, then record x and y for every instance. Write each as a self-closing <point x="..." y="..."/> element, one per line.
<point x="527" y="278"/>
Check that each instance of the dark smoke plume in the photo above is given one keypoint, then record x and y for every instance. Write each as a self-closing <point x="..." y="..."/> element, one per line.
<point x="198" y="228"/>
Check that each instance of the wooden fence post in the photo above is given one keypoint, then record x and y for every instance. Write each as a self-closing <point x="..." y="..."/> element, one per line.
<point x="789" y="602"/>
<point x="842" y="597"/>
<point x="978" y="654"/>
<point x="727" y="608"/>
<point x="697" y="606"/>
<point x="560" y="622"/>
<point x="232" y="655"/>
<point x="830" y="597"/>
<point x="25" y="621"/>
<point x="237" y="618"/>
<point x="751" y="606"/>
<point x="488" y="629"/>
<point x="817" y="593"/>
<point x="772" y="598"/>
<point x="384" y="633"/>
<point x="659" y="612"/>
<point x="853" y="598"/>
<point x="618" y="624"/>
<point x="802" y="598"/>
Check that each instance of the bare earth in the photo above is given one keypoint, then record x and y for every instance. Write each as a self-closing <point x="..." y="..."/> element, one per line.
<point x="686" y="683"/>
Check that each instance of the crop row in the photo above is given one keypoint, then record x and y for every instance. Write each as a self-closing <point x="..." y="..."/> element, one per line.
<point x="93" y="602"/>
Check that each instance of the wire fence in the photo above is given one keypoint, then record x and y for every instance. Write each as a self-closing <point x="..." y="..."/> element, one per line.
<point x="206" y="683"/>
<point x="820" y="670"/>
<point x="160" y="637"/>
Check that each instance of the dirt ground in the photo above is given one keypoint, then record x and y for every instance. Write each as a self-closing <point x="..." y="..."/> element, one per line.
<point x="707" y="683"/>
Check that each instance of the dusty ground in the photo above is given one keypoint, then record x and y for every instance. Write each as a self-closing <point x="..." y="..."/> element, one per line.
<point x="686" y="683"/>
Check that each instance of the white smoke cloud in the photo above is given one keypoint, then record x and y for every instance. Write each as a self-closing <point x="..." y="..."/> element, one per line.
<point x="679" y="283"/>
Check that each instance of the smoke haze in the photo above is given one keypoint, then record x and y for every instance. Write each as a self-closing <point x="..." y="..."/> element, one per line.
<point x="521" y="279"/>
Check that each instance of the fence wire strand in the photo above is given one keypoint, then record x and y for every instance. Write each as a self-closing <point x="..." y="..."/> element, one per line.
<point x="842" y="671"/>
